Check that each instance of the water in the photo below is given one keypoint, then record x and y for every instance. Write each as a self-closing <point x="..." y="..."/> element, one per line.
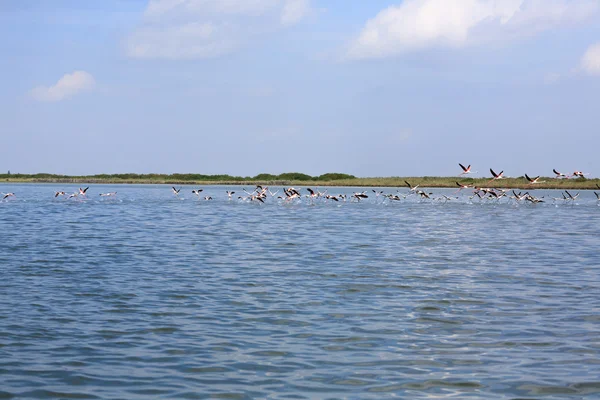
<point x="150" y="296"/>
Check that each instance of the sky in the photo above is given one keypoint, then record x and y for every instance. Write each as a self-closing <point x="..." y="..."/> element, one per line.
<point x="242" y="87"/>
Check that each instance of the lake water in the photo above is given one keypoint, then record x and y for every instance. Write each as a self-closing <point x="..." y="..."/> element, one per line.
<point x="147" y="295"/>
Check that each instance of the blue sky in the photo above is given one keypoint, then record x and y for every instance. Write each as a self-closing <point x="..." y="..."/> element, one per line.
<point x="241" y="87"/>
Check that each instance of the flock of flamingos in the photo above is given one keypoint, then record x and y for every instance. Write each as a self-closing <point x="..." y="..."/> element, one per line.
<point x="293" y="195"/>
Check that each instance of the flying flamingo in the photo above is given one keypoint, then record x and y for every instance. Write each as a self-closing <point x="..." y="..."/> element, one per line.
<point x="461" y="187"/>
<point x="499" y="175"/>
<point x="411" y="187"/>
<point x="533" y="180"/>
<point x="466" y="170"/>
<point x="559" y="175"/>
<point x="579" y="174"/>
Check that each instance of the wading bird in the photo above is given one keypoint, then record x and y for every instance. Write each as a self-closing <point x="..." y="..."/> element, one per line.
<point x="532" y="180"/>
<point x="572" y="197"/>
<point x="461" y="187"/>
<point x="558" y="174"/>
<point x="466" y="170"/>
<point x="358" y="196"/>
<point x="411" y="187"/>
<point x="499" y="175"/>
<point x="579" y="174"/>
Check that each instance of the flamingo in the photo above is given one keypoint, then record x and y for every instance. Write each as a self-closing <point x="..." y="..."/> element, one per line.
<point x="579" y="174"/>
<point x="361" y="195"/>
<point x="499" y="175"/>
<point x="532" y="180"/>
<point x="411" y="187"/>
<point x="571" y="197"/>
<point x="461" y="187"/>
<point x="466" y="170"/>
<point x="423" y="194"/>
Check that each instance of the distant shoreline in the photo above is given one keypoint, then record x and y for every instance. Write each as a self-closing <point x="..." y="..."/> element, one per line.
<point x="396" y="182"/>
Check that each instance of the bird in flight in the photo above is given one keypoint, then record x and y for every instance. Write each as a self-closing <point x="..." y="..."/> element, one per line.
<point x="411" y="187"/>
<point x="558" y="174"/>
<point x="466" y="170"/>
<point x="579" y="174"/>
<point x="532" y="180"/>
<point x="499" y="175"/>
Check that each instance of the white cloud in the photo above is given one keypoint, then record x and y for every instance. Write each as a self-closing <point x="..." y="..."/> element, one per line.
<point x="293" y="11"/>
<point x="189" y="40"/>
<point x="185" y="29"/>
<point x="590" y="62"/>
<point x="418" y="24"/>
<point x="67" y="86"/>
<point x="160" y="8"/>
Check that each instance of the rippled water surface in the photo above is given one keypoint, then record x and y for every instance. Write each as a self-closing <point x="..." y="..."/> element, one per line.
<point x="152" y="296"/>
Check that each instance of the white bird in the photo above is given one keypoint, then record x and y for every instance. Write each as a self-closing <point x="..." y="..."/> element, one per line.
<point x="499" y="175"/>
<point x="7" y="195"/>
<point x="461" y="186"/>
<point x="411" y="187"/>
<point x="571" y="197"/>
<point x="579" y="174"/>
<point x="533" y="180"/>
<point x="466" y="170"/>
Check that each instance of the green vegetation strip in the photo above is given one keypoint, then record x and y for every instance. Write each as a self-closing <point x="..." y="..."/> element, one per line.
<point x="296" y="178"/>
